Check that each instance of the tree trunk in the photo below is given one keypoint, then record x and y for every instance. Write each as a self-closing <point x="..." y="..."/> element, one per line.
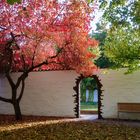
<point x="14" y="86"/>
<point x="17" y="110"/>
<point x="16" y="100"/>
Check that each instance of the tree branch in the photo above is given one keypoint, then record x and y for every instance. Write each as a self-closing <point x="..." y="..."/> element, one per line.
<point x="23" y="60"/>
<point x="5" y="100"/>
<point x="36" y="66"/>
<point x="22" y="90"/>
<point x="21" y="78"/>
<point x="3" y="28"/>
<point x="56" y="54"/>
<point x="58" y="63"/>
<point x="57" y="16"/>
<point x="34" y="56"/>
<point x="127" y="58"/>
<point x="10" y="79"/>
<point x="25" y="74"/>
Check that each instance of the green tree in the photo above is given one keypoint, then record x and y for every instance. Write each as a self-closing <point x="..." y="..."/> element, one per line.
<point x="100" y="35"/>
<point x="13" y="1"/>
<point x="124" y="13"/>
<point x="122" y="45"/>
<point x="87" y="83"/>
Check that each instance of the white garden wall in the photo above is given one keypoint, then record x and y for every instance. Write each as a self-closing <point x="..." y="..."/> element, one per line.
<point x="46" y="94"/>
<point x="50" y="93"/>
<point x="120" y="88"/>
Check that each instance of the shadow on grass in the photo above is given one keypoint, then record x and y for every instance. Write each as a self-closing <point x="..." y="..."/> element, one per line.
<point x="79" y="130"/>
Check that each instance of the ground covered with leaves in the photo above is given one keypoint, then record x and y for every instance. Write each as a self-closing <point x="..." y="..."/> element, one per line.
<point x="66" y="129"/>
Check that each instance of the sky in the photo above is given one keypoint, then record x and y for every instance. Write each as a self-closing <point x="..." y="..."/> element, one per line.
<point x="98" y="15"/>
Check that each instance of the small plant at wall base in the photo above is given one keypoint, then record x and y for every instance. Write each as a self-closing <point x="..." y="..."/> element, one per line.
<point x="44" y="35"/>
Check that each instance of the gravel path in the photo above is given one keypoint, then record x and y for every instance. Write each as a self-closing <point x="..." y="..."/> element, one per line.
<point x="109" y="121"/>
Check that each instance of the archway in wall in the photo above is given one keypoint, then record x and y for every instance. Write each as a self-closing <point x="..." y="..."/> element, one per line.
<point x="87" y="102"/>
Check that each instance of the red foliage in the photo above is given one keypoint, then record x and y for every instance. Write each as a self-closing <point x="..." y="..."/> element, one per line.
<point x="47" y="31"/>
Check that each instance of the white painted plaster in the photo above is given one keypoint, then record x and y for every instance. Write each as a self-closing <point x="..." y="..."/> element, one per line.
<point x="119" y="88"/>
<point x="50" y="93"/>
<point x="46" y="94"/>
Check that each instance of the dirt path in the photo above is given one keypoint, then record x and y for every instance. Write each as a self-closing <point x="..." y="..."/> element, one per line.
<point x="6" y="120"/>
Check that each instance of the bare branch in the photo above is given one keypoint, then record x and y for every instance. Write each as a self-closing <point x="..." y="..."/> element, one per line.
<point x="21" y="78"/>
<point x="5" y="100"/>
<point x="22" y="90"/>
<point x="10" y="79"/>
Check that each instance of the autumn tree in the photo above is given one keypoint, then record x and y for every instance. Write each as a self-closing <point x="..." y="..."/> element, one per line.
<point x="44" y="35"/>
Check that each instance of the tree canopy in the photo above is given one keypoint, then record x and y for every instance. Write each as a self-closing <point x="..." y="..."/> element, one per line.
<point x="122" y="45"/>
<point x="35" y="34"/>
<point x="121" y="12"/>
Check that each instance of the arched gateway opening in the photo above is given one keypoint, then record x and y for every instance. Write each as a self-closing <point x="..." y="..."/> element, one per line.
<point x="88" y="96"/>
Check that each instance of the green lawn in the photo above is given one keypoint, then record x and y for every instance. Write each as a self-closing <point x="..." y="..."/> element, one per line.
<point x="60" y="130"/>
<point x="88" y="106"/>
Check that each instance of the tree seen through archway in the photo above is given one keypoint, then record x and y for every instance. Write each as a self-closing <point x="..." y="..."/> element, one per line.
<point x="88" y="95"/>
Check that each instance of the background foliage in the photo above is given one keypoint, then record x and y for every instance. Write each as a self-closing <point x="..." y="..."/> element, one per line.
<point x="122" y="20"/>
<point x="87" y="84"/>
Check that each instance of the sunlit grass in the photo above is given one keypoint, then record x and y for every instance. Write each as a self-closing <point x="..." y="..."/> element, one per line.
<point x="88" y="106"/>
